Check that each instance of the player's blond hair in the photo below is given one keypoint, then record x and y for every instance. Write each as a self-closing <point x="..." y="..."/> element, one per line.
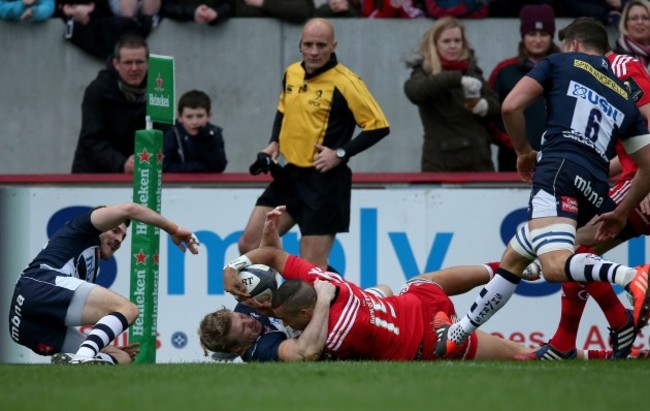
<point x="429" y="49"/>
<point x="213" y="330"/>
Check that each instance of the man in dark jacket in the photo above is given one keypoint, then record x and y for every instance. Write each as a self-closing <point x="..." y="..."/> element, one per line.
<point x="113" y="109"/>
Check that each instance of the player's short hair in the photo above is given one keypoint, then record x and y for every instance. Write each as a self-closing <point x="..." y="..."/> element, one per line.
<point x="129" y="41"/>
<point x="589" y="32"/>
<point x="194" y="99"/>
<point x="213" y="330"/>
<point x="293" y="296"/>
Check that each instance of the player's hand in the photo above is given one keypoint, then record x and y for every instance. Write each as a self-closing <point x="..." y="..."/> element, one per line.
<point x="325" y="291"/>
<point x="132" y="350"/>
<point x="644" y="205"/>
<point x="273" y="218"/>
<point x="526" y="165"/>
<point x="325" y="159"/>
<point x="610" y="225"/>
<point x="233" y="284"/>
<point x="185" y="239"/>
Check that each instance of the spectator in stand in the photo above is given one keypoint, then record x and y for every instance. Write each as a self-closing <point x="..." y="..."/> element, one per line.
<point x="339" y="8"/>
<point x="133" y="8"/>
<point x="405" y="9"/>
<point x="537" y="27"/>
<point x="26" y="10"/>
<point x="467" y="9"/>
<point x="607" y="12"/>
<point x="210" y="12"/>
<point x="454" y="100"/>
<point x="194" y="144"/>
<point x="113" y="109"/>
<point x="634" y="29"/>
<point x="509" y="8"/>
<point x="94" y="28"/>
<point x="291" y="11"/>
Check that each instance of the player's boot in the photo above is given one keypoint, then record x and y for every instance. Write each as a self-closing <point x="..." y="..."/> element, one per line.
<point x="637" y="354"/>
<point x="445" y="348"/>
<point x="61" y="358"/>
<point x="547" y="352"/>
<point x="90" y="361"/>
<point x="623" y="338"/>
<point x="638" y="287"/>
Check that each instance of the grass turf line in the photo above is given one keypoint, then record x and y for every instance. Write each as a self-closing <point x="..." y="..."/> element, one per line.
<point x="444" y="386"/>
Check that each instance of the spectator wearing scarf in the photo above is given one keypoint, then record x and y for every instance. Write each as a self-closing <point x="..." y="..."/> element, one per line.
<point x="634" y="28"/>
<point x="455" y="134"/>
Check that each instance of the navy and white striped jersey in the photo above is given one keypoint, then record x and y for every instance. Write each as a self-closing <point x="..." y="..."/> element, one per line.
<point x="588" y="109"/>
<point x="72" y="251"/>
<point x="267" y="344"/>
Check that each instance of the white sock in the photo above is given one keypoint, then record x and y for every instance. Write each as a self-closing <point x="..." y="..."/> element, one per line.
<point x="492" y="297"/>
<point x="105" y="331"/>
<point x="590" y="267"/>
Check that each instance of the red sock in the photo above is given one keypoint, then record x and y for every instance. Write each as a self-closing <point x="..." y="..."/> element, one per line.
<point x="608" y="301"/>
<point x="572" y="307"/>
<point x="494" y="266"/>
<point x="583" y="249"/>
<point x="598" y="354"/>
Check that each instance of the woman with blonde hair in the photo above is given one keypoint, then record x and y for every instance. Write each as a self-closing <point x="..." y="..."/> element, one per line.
<point x="454" y="101"/>
<point x="634" y="29"/>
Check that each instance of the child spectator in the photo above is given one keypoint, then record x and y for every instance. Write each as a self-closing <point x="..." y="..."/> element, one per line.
<point x="194" y="144"/>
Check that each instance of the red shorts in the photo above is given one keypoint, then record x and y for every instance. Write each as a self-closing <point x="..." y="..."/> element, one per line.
<point x="639" y="222"/>
<point x="434" y="299"/>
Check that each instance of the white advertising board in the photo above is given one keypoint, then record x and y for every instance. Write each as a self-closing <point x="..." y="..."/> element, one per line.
<point x="394" y="234"/>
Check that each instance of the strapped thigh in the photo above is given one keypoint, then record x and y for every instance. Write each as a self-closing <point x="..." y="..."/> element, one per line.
<point x="553" y="237"/>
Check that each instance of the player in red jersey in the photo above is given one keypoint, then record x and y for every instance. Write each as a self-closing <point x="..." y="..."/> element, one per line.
<point x="362" y="325"/>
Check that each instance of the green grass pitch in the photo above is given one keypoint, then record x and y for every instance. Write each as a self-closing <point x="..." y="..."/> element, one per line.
<point x="435" y="386"/>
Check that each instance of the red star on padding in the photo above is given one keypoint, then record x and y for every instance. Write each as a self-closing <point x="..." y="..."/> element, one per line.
<point x="159" y="157"/>
<point x="144" y="156"/>
<point x="140" y="258"/>
<point x="156" y="258"/>
<point x="159" y="82"/>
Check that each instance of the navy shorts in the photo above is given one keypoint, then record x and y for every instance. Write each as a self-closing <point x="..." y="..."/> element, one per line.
<point x="38" y="310"/>
<point x="318" y="202"/>
<point x="562" y="188"/>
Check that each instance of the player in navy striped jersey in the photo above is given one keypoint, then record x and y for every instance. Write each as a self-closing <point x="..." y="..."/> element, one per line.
<point x="622" y="328"/>
<point x="589" y="109"/>
<point x="57" y="290"/>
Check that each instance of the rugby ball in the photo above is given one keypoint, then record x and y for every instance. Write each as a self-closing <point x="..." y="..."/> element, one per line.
<point x="260" y="281"/>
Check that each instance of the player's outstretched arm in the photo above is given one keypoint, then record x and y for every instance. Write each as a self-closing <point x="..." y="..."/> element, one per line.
<point x="106" y="218"/>
<point x="270" y="234"/>
<point x="309" y="346"/>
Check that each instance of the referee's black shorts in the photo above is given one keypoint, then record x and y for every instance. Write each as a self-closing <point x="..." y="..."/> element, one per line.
<point x="318" y="202"/>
